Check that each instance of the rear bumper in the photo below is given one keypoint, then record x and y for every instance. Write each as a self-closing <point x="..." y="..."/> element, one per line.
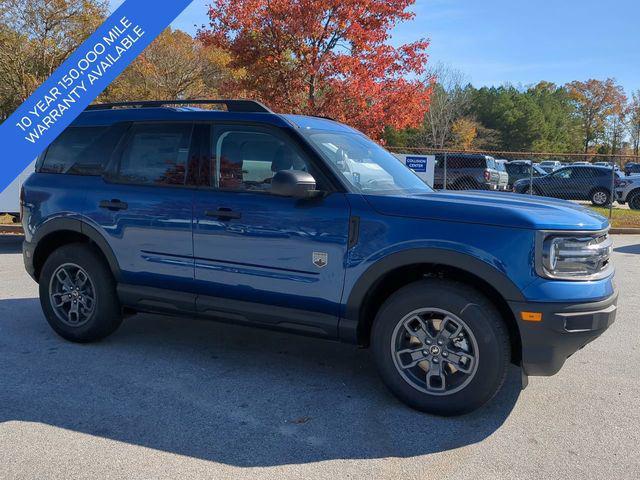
<point x="565" y="328"/>
<point x="27" y="256"/>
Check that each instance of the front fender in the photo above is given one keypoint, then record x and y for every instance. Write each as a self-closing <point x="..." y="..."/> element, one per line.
<point x="349" y="321"/>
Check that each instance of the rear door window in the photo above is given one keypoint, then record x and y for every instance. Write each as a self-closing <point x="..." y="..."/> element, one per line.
<point x="155" y="154"/>
<point x="465" y="161"/>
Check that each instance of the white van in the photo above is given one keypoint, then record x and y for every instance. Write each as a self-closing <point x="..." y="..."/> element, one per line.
<point x="10" y="196"/>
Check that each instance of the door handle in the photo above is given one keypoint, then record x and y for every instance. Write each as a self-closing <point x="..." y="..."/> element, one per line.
<point x="113" y="205"/>
<point x="223" y="214"/>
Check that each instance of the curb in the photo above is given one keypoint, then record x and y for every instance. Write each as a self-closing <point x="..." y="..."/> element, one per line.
<point x="11" y="229"/>
<point x="625" y="231"/>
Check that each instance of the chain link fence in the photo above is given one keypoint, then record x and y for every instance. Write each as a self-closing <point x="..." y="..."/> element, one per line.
<point x="610" y="182"/>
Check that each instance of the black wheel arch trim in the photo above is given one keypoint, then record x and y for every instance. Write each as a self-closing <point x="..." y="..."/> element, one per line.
<point x="349" y="323"/>
<point x="78" y="226"/>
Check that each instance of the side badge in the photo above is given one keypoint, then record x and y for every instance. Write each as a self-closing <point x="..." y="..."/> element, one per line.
<point x="320" y="259"/>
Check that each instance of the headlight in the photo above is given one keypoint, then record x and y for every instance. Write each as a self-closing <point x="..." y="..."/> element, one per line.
<point x="574" y="255"/>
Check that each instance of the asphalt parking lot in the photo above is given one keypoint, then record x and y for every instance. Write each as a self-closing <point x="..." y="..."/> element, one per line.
<point x="175" y="398"/>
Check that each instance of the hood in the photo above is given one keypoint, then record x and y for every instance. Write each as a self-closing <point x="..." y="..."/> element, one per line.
<point x="500" y="209"/>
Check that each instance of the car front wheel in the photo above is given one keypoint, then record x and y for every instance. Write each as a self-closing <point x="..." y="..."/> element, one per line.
<point x="441" y="347"/>
<point x="600" y="197"/>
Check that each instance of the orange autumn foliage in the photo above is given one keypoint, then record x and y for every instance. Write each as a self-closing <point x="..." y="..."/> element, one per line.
<point x="325" y="57"/>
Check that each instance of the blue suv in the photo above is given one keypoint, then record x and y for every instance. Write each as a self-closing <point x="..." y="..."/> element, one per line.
<point x="305" y="225"/>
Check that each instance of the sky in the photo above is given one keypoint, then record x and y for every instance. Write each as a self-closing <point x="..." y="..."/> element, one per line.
<point x="521" y="42"/>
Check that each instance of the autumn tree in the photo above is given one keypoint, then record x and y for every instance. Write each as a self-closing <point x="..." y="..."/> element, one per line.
<point x="36" y="36"/>
<point x="173" y="66"/>
<point x="325" y="57"/>
<point x="596" y="101"/>
<point x="450" y="101"/>
<point x="464" y="131"/>
<point x="634" y="122"/>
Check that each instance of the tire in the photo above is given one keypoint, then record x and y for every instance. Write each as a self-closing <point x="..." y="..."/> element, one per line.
<point x="93" y="320"/>
<point x="600" y="197"/>
<point x="634" y="201"/>
<point x="488" y="345"/>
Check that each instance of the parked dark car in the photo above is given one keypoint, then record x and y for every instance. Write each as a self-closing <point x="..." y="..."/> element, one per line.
<point x="519" y="169"/>
<point x="573" y="183"/>
<point x="466" y="171"/>
<point x="632" y="168"/>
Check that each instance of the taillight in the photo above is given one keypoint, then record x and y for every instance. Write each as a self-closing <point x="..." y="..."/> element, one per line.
<point x="487" y="175"/>
<point x="21" y="201"/>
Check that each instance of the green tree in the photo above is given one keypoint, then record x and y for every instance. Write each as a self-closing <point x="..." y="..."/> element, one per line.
<point x="540" y="118"/>
<point x="510" y="112"/>
<point x="560" y="131"/>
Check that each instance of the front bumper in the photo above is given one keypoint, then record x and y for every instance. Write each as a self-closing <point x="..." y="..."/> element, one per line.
<point x="564" y="329"/>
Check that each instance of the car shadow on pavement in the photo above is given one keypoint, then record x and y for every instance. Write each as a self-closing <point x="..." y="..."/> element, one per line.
<point x="224" y="393"/>
<point x="633" y="249"/>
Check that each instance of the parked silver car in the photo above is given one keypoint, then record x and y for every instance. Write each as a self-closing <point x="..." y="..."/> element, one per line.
<point x="550" y="165"/>
<point x="503" y="181"/>
<point x="628" y="191"/>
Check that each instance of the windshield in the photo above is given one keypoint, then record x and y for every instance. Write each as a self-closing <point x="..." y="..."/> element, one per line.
<point x="539" y="170"/>
<point x="368" y="168"/>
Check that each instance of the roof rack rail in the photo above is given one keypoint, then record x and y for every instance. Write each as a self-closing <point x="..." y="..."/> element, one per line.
<point x="233" y="105"/>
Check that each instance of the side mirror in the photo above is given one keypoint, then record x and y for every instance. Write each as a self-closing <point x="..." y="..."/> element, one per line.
<point x="293" y="183"/>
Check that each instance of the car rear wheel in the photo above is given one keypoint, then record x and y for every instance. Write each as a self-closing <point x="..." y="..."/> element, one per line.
<point x="441" y="347"/>
<point x="634" y="201"/>
<point x="600" y="197"/>
<point x="78" y="294"/>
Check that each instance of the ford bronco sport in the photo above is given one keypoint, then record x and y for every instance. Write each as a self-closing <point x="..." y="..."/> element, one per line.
<point x="305" y="225"/>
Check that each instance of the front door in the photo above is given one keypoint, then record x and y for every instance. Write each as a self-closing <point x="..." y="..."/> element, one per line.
<point x="559" y="184"/>
<point x="262" y="258"/>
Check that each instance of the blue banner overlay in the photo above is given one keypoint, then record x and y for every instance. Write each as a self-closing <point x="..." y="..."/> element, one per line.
<point x="79" y="80"/>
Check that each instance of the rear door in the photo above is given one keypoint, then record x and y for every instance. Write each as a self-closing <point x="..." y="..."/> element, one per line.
<point x="264" y="258"/>
<point x="143" y="205"/>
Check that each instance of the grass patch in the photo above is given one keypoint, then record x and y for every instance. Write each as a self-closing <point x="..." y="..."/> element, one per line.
<point x="622" y="217"/>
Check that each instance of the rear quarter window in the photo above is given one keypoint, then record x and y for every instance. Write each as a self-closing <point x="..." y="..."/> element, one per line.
<point x="81" y="150"/>
<point x="455" y="162"/>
